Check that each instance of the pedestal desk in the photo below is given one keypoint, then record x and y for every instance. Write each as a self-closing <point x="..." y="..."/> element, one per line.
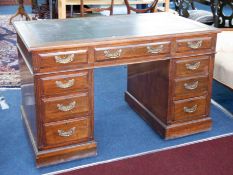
<point x="170" y="68"/>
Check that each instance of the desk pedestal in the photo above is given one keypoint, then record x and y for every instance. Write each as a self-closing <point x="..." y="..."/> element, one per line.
<point x="150" y="93"/>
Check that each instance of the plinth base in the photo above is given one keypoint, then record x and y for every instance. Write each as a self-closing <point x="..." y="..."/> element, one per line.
<point x="172" y="130"/>
<point x="59" y="155"/>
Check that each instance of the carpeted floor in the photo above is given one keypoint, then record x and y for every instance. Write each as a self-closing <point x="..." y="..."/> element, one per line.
<point x="214" y="157"/>
<point x="119" y="131"/>
<point x="223" y="95"/>
<point x="9" y="67"/>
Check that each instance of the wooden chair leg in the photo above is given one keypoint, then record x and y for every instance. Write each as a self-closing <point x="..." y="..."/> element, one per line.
<point x="71" y="11"/>
<point x="20" y="11"/>
<point x="111" y="7"/>
<point x="26" y="16"/>
<point x="81" y="8"/>
<point x="11" y="18"/>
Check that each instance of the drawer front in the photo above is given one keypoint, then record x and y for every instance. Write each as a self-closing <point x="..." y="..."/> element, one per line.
<point x="186" y="88"/>
<point x="63" y="59"/>
<point x="132" y="51"/>
<point x="192" y="67"/>
<point x="67" y="131"/>
<point x="64" y="83"/>
<point x="194" y="44"/>
<point x="65" y="107"/>
<point x="190" y="108"/>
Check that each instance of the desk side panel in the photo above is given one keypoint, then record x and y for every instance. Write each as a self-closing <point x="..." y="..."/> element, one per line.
<point x="27" y="90"/>
<point x="149" y="84"/>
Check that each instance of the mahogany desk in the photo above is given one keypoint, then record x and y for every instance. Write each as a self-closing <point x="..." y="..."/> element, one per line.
<point x="170" y="68"/>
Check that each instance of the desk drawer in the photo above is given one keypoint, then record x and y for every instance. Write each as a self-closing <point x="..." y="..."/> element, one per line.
<point x="62" y="59"/>
<point x="190" y="108"/>
<point x="192" y="66"/>
<point x="67" y="131"/>
<point x="65" y="107"/>
<point x="132" y="51"/>
<point x="64" y="83"/>
<point x="193" y="44"/>
<point x="186" y="88"/>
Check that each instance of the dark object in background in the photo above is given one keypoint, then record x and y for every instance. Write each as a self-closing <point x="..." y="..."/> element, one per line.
<point x="187" y="9"/>
<point x="46" y="10"/>
<point x="43" y="11"/>
<point x="223" y="13"/>
<point x="34" y="6"/>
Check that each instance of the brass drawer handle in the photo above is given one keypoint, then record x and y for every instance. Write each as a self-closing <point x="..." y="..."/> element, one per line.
<point x="64" y="59"/>
<point x="191" y="86"/>
<point x="62" y="85"/>
<point x="193" y="66"/>
<point x="154" y="50"/>
<point x="113" y="54"/>
<point x="190" y="110"/>
<point x="66" y="108"/>
<point x="68" y="133"/>
<point x="194" y="44"/>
